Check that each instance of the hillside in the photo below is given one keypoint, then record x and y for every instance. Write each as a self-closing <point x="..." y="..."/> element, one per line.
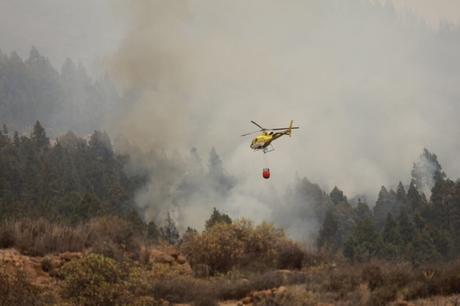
<point x="70" y="233"/>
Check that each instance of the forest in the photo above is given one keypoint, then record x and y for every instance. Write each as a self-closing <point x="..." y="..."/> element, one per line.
<point x="32" y="89"/>
<point x="71" y="232"/>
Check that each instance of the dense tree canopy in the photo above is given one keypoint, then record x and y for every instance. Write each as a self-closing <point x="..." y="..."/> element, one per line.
<point x="402" y="225"/>
<point x="71" y="180"/>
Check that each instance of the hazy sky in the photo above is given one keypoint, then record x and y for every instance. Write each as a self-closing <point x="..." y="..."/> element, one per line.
<point x="89" y="30"/>
<point x="432" y="11"/>
<point x="85" y="30"/>
<point x="370" y="87"/>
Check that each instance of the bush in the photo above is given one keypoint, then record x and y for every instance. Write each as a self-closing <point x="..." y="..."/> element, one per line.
<point x="113" y="236"/>
<point x="444" y="280"/>
<point x="290" y="255"/>
<point x="263" y="243"/>
<point x="16" y="290"/>
<point x="184" y="289"/>
<point x="47" y="265"/>
<point x="94" y="280"/>
<point x="383" y="295"/>
<point x="40" y="237"/>
<point x="6" y="235"/>
<point x="224" y="246"/>
<point x="372" y="274"/>
<point x="342" y="281"/>
<point x="241" y="288"/>
<point x="221" y="247"/>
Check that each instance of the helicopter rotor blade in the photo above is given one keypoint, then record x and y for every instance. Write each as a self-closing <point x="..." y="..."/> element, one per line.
<point x="279" y="129"/>
<point x="258" y="125"/>
<point x="249" y="133"/>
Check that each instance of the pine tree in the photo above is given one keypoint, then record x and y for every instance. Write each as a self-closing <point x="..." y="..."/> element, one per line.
<point x="135" y="221"/>
<point x="219" y="180"/>
<point x="401" y="194"/>
<point x="442" y="203"/>
<point x="406" y="228"/>
<point x="386" y="203"/>
<point x="337" y="196"/>
<point x="153" y="233"/>
<point x="191" y="231"/>
<point x="328" y="233"/>
<point x="169" y="232"/>
<point x="455" y="217"/>
<point x="217" y="217"/>
<point x="364" y="243"/>
<point x="414" y="199"/>
<point x="215" y="163"/>
<point x="362" y="211"/>
<point x="89" y="207"/>
<point x="100" y="145"/>
<point x="426" y="172"/>
<point x="423" y="249"/>
<point x="38" y="136"/>
<point x="391" y="238"/>
<point x="443" y="241"/>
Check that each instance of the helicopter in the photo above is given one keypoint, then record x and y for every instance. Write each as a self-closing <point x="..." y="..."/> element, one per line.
<point x="264" y="140"/>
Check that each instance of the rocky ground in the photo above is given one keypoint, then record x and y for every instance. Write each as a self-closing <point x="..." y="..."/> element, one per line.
<point x="39" y="271"/>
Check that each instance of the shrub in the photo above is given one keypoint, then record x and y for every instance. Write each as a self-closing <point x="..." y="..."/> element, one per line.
<point x="224" y="246"/>
<point x="290" y="255"/>
<point x="144" y="301"/>
<point x="241" y="288"/>
<point x="383" y="295"/>
<point x="40" y="237"/>
<point x="107" y="248"/>
<point x="6" y="235"/>
<point x="372" y="274"/>
<point x="47" y="264"/>
<point x="220" y="247"/>
<point x="184" y="289"/>
<point x="262" y="244"/>
<point x="113" y="236"/>
<point x="444" y="280"/>
<point x="15" y="289"/>
<point x="342" y="281"/>
<point x="94" y="280"/>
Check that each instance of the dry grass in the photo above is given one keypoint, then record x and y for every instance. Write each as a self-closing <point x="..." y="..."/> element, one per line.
<point x="341" y="283"/>
<point x="40" y="237"/>
<point x="111" y="236"/>
<point x="15" y="289"/>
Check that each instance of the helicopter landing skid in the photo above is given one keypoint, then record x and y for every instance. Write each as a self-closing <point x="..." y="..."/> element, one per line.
<point x="268" y="149"/>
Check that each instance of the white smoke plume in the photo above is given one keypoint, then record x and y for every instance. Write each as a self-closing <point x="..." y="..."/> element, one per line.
<point x="370" y="88"/>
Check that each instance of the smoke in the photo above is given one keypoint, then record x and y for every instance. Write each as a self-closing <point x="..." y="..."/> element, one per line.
<point x="369" y="88"/>
<point x="426" y="175"/>
<point x="426" y="172"/>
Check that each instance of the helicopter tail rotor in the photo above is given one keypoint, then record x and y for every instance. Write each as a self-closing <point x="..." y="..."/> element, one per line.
<point x="290" y="129"/>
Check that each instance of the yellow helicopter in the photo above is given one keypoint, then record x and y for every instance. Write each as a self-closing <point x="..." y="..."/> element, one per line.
<point x="264" y="140"/>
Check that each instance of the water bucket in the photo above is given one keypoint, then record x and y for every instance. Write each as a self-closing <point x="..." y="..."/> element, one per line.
<point x="266" y="173"/>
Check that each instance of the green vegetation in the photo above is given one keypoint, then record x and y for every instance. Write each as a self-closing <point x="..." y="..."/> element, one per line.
<point x="68" y="182"/>
<point x="15" y="289"/>
<point x="225" y="246"/>
<point x="73" y="195"/>
<point x="404" y="226"/>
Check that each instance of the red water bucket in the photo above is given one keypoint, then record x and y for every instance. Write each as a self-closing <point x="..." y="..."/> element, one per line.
<point x="266" y="173"/>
